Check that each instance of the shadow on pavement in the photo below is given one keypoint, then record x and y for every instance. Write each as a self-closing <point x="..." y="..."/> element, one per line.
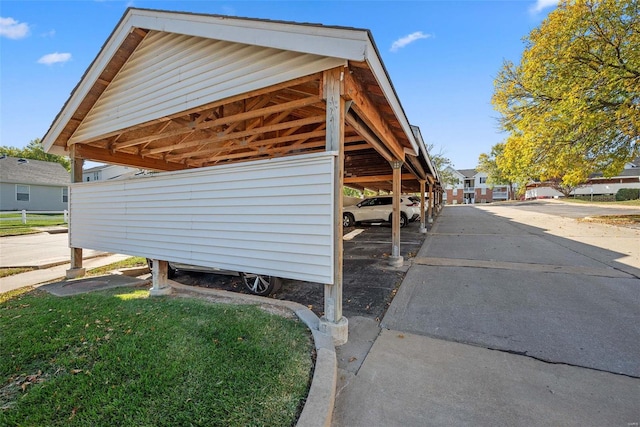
<point x="369" y="284"/>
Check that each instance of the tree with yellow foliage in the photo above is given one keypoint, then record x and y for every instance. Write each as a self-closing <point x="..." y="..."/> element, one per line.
<point x="572" y="105"/>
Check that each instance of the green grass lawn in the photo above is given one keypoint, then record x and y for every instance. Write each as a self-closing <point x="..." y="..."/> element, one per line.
<point x="11" y="223"/>
<point x="117" y="357"/>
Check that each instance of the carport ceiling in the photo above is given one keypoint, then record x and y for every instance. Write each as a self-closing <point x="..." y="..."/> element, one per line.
<point x="282" y="119"/>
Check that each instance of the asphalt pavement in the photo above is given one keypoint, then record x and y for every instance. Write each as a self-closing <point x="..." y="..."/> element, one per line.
<point x="508" y="316"/>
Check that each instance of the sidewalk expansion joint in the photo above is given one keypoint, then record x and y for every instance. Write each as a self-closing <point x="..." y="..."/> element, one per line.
<point x="522" y="266"/>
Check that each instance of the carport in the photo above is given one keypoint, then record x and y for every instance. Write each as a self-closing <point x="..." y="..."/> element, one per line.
<point x="255" y="127"/>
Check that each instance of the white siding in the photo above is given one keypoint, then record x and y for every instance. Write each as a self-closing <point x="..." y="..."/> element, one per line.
<point x="170" y="73"/>
<point x="270" y="217"/>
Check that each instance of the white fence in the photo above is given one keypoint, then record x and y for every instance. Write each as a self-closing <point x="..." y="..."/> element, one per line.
<point x="25" y="215"/>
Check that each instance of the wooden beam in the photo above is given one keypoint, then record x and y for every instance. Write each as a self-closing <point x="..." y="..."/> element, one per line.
<point x="396" y="259"/>
<point x="332" y="321"/>
<point x="368" y="136"/>
<point x="261" y="143"/>
<point x="369" y="113"/>
<point x="94" y="153"/>
<point x="260" y="112"/>
<point x="210" y="142"/>
<point x="377" y="178"/>
<point x="212" y="105"/>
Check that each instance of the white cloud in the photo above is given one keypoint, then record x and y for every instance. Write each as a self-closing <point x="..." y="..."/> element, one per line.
<point x="54" y="58"/>
<point x="403" y="41"/>
<point x="542" y="4"/>
<point x="51" y="33"/>
<point x="13" y="29"/>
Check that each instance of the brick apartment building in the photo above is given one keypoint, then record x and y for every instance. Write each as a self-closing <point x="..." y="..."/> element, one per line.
<point x="472" y="188"/>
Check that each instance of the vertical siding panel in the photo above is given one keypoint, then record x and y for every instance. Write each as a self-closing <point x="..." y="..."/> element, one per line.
<point x="170" y="73"/>
<point x="269" y="216"/>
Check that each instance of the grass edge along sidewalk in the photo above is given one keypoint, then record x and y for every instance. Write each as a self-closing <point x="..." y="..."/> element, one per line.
<point x="118" y="357"/>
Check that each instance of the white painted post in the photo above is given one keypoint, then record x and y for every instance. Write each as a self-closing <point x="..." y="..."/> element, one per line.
<point x="66" y="216"/>
<point x="24" y="216"/>
<point x="333" y="323"/>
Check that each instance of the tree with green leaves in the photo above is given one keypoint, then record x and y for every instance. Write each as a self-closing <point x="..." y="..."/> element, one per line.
<point x="441" y="163"/>
<point x="572" y="105"/>
<point x="488" y="163"/>
<point x="35" y="151"/>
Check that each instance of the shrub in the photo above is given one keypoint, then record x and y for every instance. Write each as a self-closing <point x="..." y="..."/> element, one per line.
<point x="627" y="194"/>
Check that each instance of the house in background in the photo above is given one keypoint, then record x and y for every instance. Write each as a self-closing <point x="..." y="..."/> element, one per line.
<point x="472" y="188"/>
<point x="33" y="185"/>
<point x="596" y="186"/>
<point x="107" y="172"/>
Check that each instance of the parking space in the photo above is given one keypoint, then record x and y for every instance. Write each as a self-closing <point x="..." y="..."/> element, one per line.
<point x="369" y="282"/>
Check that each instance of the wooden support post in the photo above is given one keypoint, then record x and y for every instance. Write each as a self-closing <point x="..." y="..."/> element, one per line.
<point x="76" y="269"/>
<point x="432" y="197"/>
<point x="396" y="259"/>
<point x="159" y="279"/>
<point x="333" y="323"/>
<point x="423" y="228"/>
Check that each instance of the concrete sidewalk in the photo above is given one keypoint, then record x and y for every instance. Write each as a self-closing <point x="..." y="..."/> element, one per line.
<point x="45" y="275"/>
<point x="475" y="338"/>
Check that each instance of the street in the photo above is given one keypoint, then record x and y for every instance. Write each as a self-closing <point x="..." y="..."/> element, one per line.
<point x="37" y="250"/>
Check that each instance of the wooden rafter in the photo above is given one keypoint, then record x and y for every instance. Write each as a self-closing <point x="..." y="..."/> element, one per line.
<point x="377" y="178"/>
<point x="369" y="113"/>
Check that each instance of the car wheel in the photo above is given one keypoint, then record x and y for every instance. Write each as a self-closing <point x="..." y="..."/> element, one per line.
<point x="261" y="285"/>
<point x="348" y="220"/>
<point x="171" y="273"/>
<point x="403" y="220"/>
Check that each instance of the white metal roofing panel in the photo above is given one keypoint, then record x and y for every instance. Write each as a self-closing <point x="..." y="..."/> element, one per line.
<point x="269" y="217"/>
<point x="340" y="42"/>
<point x="170" y="73"/>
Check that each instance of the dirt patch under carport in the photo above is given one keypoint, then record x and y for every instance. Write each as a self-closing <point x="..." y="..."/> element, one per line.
<point x="369" y="282"/>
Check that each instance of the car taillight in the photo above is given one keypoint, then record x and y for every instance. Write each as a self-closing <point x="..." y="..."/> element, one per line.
<point x="413" y="204"/>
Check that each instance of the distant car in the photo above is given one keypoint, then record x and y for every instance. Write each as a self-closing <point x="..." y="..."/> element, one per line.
<point x="257" y="284"/>
<point x="380" y="209"/>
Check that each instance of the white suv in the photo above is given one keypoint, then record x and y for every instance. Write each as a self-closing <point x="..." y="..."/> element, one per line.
<point x="379" y="209"/>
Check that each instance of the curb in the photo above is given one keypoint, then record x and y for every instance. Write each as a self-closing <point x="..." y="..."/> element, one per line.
<point x="318" y="409"/>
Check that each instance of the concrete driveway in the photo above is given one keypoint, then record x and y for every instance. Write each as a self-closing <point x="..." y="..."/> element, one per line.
<point x="506" y="317"/>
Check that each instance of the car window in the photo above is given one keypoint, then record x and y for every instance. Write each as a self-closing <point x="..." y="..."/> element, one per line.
<point x="367" y="202"/>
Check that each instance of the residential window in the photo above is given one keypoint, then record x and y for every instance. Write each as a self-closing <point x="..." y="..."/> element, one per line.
<point x="22" y="193"/>
<point x="483" y="180"/>
<point x="65" y="195"/>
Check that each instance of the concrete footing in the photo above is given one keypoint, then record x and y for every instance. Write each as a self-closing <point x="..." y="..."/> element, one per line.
<point x="338" y="331"/>
<point x="396" y="261"/>
<point x="423" y="229"/>
<point x="74" y="273"/>
<point x="156" y="292"/>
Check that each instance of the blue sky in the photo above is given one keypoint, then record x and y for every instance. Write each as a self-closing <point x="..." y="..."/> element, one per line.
<point x="442" y="56"/>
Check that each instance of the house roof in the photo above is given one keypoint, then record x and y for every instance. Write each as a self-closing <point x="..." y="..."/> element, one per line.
<point x="35" y="172"/>
<point x="468" y="173"/>
<point x="171" y="91"/>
